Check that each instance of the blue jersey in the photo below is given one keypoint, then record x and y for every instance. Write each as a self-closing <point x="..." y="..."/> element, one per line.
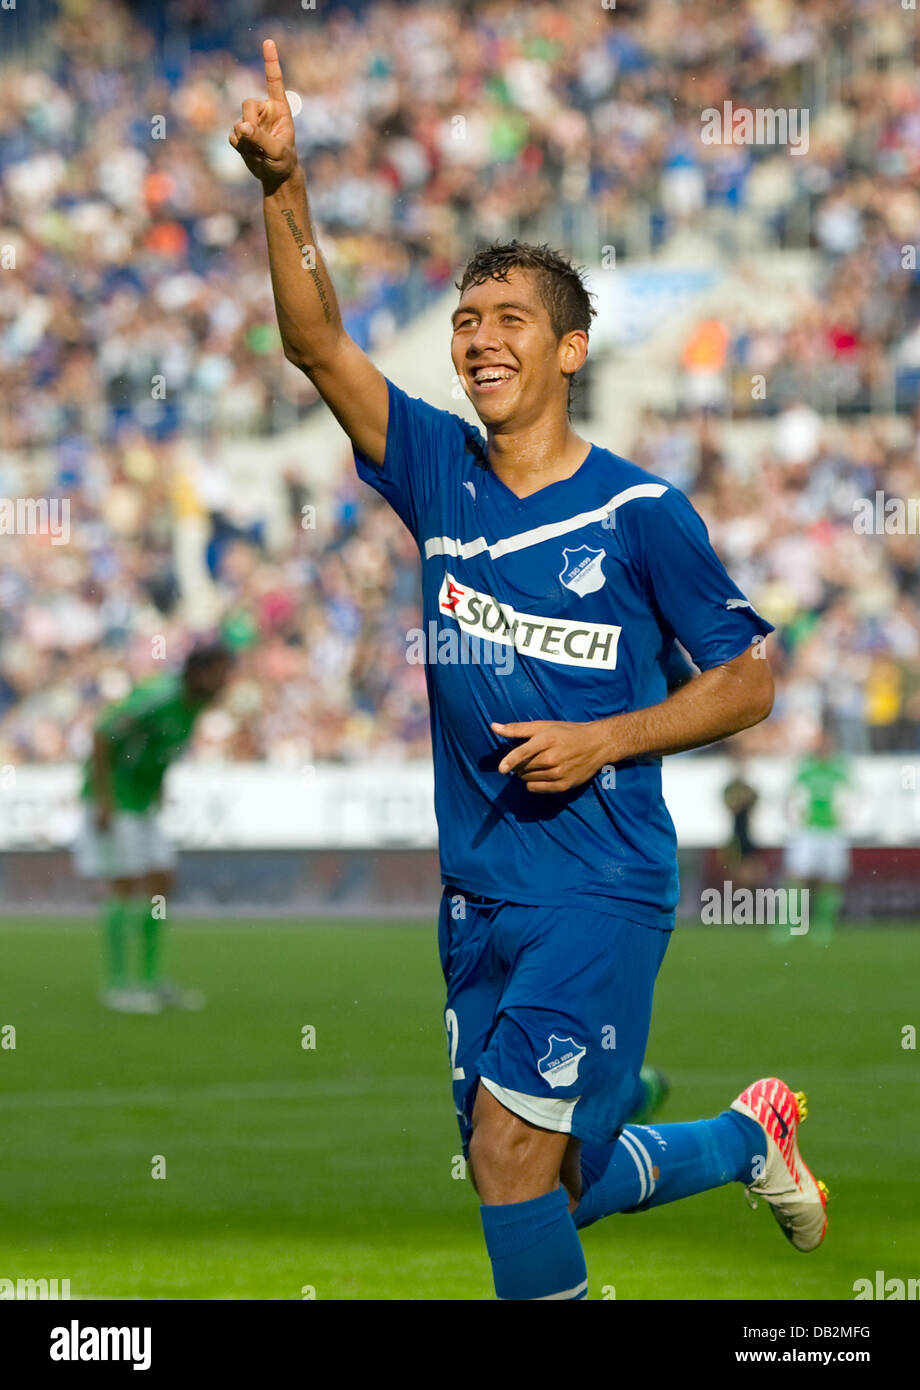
<point x="564" y="605"/>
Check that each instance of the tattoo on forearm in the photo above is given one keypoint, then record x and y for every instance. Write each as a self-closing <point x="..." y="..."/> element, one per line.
<point x="315" y="275"/>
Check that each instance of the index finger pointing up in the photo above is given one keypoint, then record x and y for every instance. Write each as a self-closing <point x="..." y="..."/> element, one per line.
<point x="273" y="79"/>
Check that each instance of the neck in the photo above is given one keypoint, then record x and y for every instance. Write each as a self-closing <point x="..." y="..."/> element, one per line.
<point x="532" y="457"/>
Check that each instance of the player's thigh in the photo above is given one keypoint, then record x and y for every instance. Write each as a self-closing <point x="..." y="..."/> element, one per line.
<point x="574" y="1019"/>
<point x="474" y="977"/>
<point x="116" y="853"/>
<point x="159" y="852"/>
<point x="833" y="859"/>
<point x="803" y="856"/>
<point x="144" y="850"/>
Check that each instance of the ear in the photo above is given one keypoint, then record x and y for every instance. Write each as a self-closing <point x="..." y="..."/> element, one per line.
<point x="573" y="349"/>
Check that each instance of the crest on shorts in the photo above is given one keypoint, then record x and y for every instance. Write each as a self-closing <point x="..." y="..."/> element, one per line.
<point x="582" y="572"/>
<point x="560" y="1065"/>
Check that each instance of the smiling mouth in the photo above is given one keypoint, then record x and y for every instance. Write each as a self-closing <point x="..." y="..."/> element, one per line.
<point x="491" y="378"/>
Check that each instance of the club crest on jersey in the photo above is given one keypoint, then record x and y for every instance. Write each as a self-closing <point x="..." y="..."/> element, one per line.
<point x="582" y="572"/>
<point x="560" y="1065"/>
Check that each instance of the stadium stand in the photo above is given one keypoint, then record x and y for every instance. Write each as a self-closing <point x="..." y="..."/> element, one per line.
<point x="138" y="340"/>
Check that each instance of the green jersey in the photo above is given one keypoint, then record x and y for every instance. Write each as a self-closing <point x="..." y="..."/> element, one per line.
<point x="821" y="779"/>
<point x="146" y="731"/>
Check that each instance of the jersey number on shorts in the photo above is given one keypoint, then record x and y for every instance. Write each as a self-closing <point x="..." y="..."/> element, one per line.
<point x="453" y="1039"/>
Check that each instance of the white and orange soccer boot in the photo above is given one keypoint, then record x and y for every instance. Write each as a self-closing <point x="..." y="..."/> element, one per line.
<point x="797" y="1200"/>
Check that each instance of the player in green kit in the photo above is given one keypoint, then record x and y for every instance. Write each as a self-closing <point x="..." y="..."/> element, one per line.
<point x="121" y="841"/>
<point x="817" y="855"/>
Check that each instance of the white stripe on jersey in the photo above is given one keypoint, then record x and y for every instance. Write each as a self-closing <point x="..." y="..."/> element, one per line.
<point x="445" y="545"/>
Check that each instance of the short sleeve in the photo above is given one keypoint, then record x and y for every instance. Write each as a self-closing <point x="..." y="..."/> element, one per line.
<point x="688" y="584"/>
<point x="422" y="441"/>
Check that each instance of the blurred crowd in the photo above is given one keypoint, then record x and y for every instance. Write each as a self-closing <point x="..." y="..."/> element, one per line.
<point x="790" y="519"/>
<point x="137" y="330"/>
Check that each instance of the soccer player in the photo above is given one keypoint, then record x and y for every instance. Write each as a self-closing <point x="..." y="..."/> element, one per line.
<point x="817" y="856"/>
<point x="557" y="852"/>
<point x="121" y="840"/>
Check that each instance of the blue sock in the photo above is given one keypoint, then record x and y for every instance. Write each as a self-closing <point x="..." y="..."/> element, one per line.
<point x="534" y="1249"/>
<point x="647" y="1167"/>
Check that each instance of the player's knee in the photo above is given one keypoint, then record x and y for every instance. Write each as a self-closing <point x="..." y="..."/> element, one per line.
<point x="495" y="1162"/>
<point x="513" y="1160"/>
<point x="508" y="1161"/>
<point x="497" y="1147"/>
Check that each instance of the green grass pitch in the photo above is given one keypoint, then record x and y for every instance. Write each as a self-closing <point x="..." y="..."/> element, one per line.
<point x="332" y="1167"/>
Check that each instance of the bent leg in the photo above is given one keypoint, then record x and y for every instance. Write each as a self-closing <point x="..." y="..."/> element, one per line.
<point x="648" y="1167"/>
<point x="530" y="1235"/>
<point x="512" y="1159"/>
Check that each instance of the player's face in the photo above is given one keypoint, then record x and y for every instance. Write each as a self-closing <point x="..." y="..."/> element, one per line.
<point x="206" y="683"/>
<point x="505" y="352"/>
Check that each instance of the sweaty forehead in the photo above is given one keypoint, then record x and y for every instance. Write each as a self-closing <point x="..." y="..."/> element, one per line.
<point x="519" y="290"/>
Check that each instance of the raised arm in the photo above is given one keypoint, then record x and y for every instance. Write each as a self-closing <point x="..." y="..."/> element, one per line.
<point x="311" y="326"/>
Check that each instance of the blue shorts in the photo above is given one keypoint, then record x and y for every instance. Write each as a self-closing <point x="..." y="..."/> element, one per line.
<point x="550" y="1008"/>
